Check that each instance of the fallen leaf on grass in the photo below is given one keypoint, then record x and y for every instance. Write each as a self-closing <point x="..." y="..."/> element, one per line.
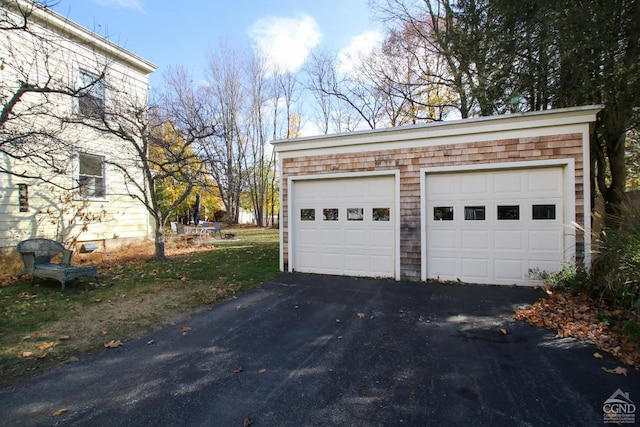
<point x="113" y="344"/>
<point x="48" y="345"/>
<point x="619" y="371"/>
<point x="60" y="412"/>
<point x="27" y="354"/>
<point x="64" y="338"/>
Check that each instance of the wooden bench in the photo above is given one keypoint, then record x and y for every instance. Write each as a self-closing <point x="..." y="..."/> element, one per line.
<point x="37" y="255"/>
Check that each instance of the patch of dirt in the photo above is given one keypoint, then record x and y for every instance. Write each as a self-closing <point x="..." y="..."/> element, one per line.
<point x="122" y="318"/>
<point x="577" y="316"/>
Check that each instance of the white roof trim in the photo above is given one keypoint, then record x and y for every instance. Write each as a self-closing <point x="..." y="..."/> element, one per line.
<point x="445" y="129"/>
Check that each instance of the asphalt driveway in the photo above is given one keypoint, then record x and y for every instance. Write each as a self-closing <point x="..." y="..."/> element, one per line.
<point x="318" y="350"/>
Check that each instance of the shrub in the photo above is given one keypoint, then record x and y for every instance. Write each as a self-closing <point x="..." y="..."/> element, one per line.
<point x="567" y="278"/>
<point x="631" y="329"/>
<point x="616" y="265"/>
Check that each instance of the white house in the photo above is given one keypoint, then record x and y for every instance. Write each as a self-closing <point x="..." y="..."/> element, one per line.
<point x="484" y="200"/>
<point x="83" y="199"/>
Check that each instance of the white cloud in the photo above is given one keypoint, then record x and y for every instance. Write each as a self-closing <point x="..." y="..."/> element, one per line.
<point x="360" y="46"/>
<point x="285" y="42"/>
<point x="127" y="4"/>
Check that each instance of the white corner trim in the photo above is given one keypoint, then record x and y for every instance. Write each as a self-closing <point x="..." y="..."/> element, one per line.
<point x="586" y="185"/>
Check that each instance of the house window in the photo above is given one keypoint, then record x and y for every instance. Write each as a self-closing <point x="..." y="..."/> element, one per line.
<point x="443" y="213"/>
<point x="91" y="97"/>
<point x="474" y="213"/>
<point x="23" y="197"/>
<point x="355" y="214"/>
<point x="307" y="214"/>
<point x="91" y="176"/>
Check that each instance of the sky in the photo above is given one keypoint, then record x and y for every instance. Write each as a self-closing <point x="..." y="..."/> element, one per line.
<point x="170" y="32"/>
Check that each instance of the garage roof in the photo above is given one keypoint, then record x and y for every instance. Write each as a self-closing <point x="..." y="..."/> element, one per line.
<point x="437" y="133"/>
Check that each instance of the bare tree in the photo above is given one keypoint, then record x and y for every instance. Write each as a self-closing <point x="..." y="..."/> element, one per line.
<point x="395" y="84"/>
<point x="345" y="98"/>
<point x="157" y="144"/>
<point x="225" y="151"/>
<point x="411" y="77"/>
<point x="321" y="72"/>
<point x="38" y="88"/>
<point x="256" y="162"/>
<point x="503" y="56"/>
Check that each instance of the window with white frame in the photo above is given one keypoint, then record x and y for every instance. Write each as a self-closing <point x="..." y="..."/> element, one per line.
<point x="91" y="182"/>
<point x="91" y="98"/>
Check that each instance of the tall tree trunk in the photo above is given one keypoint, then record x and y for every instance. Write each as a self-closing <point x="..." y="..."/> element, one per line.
<point x="160" y="240"/>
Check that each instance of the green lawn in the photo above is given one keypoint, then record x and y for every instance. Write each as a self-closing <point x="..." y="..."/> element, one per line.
<point x="40" y="327"/>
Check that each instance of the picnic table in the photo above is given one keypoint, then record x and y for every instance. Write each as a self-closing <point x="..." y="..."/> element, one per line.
<point x="203" y="229"/>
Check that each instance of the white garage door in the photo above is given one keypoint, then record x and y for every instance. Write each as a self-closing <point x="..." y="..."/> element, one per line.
<point x="494" y="227"/>
<point x="344" y="226"/>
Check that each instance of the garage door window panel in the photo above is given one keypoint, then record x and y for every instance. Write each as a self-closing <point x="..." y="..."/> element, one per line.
<point x="355" y="214"/>
<point x="443" y="213"/>
<point x="474" y="213"/>
<point x="307" y="214"/>
<point x="509" y="212"/>
<point x="381" y="214"/>
<point x="330" y="214"/>
<point x="543" y="212"/>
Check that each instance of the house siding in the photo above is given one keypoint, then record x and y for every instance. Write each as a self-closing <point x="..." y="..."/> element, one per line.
<point x="409" y="161"/>
<point x="54" y="211"/>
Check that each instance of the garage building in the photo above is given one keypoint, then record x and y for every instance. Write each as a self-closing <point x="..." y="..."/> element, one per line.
<point x="484" y="200"/>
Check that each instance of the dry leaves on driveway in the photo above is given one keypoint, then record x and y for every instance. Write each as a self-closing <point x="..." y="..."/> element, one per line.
<point x="576" y="316"/>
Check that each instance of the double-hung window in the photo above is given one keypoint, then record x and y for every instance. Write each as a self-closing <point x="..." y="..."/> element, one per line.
<point x="91" y="97"/>
<point x="91" y="182"/>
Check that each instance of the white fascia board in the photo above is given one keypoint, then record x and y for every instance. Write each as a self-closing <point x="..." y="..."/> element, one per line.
<point x="74" y="31"/>
<point x="537" y="123"/>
